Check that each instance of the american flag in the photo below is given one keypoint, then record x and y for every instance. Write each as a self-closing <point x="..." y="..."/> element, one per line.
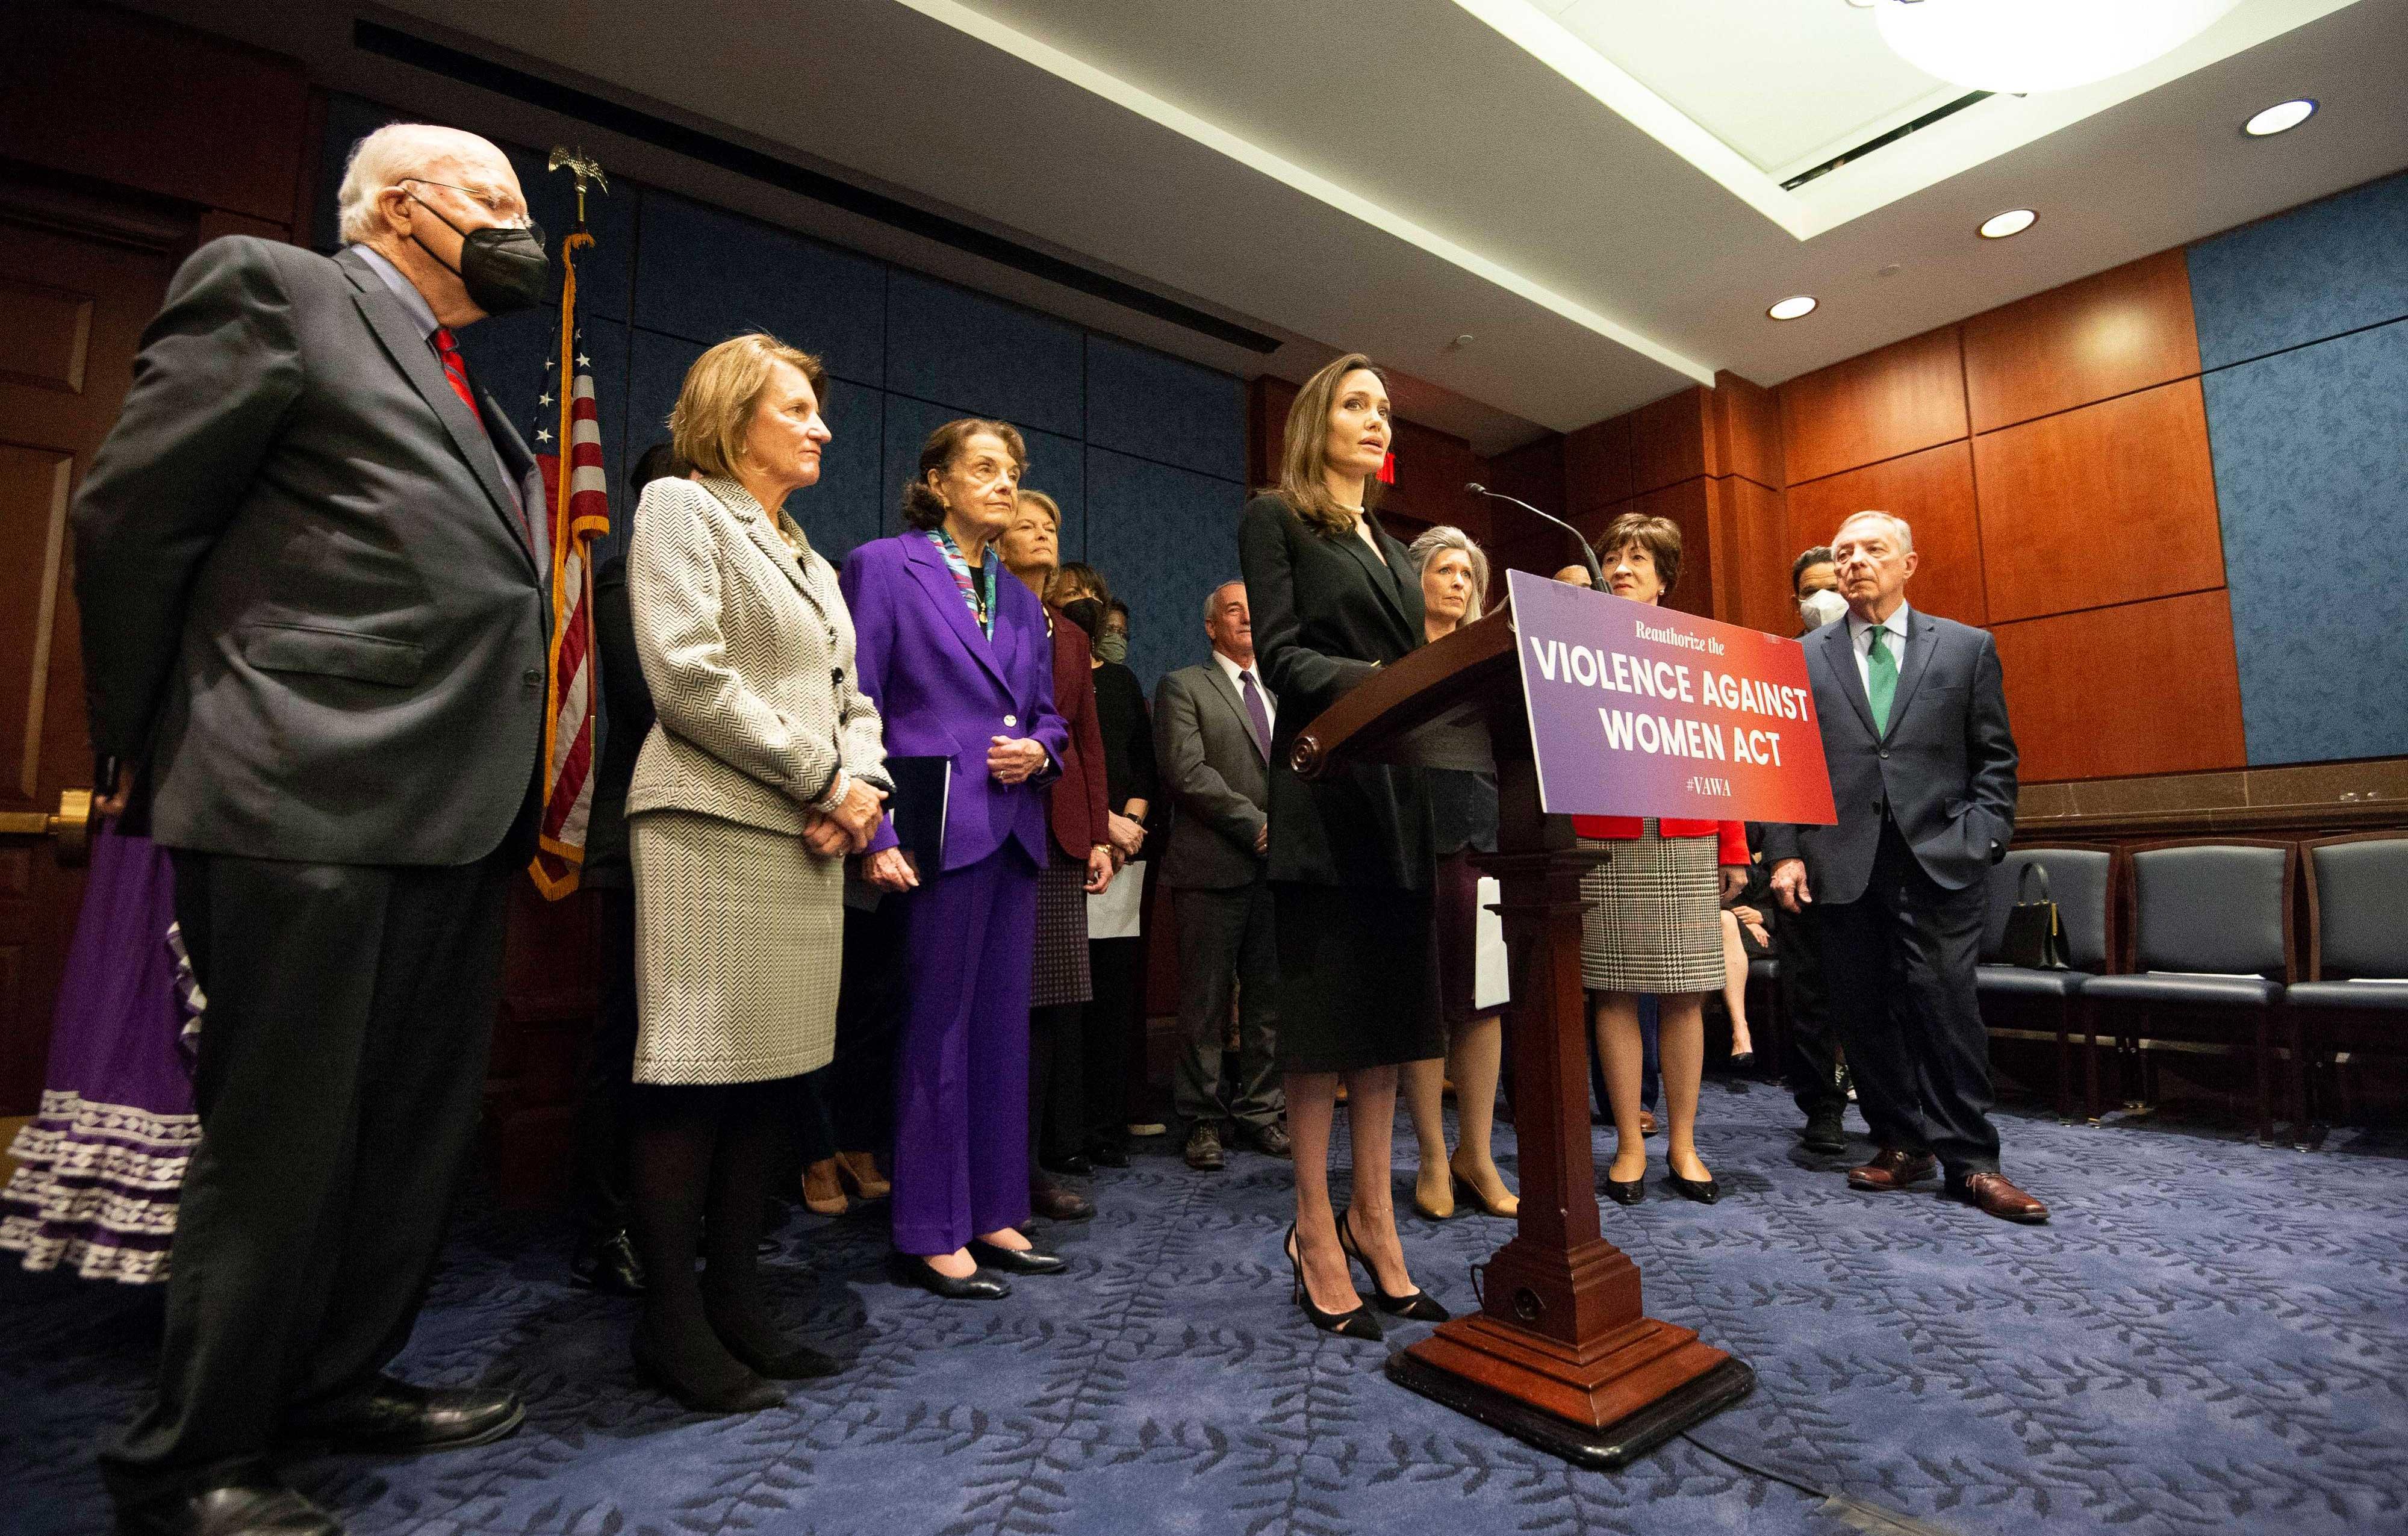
<point x="579" y="501"/>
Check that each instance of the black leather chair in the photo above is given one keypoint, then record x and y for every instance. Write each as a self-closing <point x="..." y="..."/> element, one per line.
<point x="2356" y="994"/>
<point x="2081" y="880"/>
<point x="2211" y="947"/>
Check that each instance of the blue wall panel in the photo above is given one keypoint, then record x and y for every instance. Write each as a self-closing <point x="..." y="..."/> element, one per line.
<point x="1164" y="537"/>
<point x="2311" y="452"/>
<point x="1166" y="408"/>
<point x="706" y="276"/>
<point x="1054" y="466"/>
<point x="984" y="357"/>
<point x="2335" y="265"/>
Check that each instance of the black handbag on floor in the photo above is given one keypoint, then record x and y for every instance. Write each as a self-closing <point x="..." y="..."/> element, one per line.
<point x="2035" y="938"/>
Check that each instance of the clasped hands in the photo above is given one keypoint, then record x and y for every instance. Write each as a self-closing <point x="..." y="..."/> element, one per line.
<point x="847" y="829"/>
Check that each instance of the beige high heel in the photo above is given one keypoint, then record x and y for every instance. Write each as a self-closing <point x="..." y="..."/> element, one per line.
<point x="822" y="1195"/>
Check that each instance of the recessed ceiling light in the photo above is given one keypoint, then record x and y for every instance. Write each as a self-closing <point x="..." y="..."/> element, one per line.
<point x="1998" y="226"/>
<point x="1790" y="308"/>
<point x="2280" y="118"/>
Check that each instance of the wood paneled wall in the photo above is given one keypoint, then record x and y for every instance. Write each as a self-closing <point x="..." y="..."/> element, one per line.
<point x="2052" y="456"/>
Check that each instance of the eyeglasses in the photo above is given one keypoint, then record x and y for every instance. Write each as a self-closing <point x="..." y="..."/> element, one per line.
<point x="496" y="204"/>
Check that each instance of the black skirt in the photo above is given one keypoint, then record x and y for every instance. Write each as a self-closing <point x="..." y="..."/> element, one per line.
<point x="1358" y="977"/>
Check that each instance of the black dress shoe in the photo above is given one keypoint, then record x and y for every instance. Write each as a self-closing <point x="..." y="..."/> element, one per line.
<point x="1824" y="1133"/>
<point x="744" y="1392"/>
<point x="1271" y="1140"/>
<point x="1059" y="1202"/>
<point x="911" y="1270"/>
<point x="1016" y="1260"/>
<point x="394" y="1416"/>
<point x="609" y="1265"/>
<point x="1625" y="1191"/>
<point x="794" y="1363"/>
<point x="1418" y="1306"/>
<point x="251" y="1502"/>
<point x="1743" y="1062"/>
<point x="1703" y="1191"/>
<point x="1070" y="1165"/>
<point x="1108" y="1155"/>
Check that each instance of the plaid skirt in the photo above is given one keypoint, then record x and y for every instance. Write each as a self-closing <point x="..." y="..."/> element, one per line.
<point x="1653" y="916"/>
<point x="1061" y="935"/>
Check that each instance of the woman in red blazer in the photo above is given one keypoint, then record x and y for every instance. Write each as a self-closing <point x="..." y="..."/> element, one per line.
<point x="1654" y="921"/>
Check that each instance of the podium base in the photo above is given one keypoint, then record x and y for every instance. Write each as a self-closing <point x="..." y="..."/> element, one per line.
<point x="1606" y="1447"/>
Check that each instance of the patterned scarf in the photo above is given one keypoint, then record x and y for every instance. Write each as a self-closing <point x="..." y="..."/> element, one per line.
<point x="982" y="606"/>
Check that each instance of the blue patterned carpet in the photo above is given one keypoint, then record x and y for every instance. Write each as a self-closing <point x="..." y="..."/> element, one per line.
<point x="2210" y="1337"/>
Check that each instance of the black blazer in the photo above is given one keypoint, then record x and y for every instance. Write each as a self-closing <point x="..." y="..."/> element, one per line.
<point x="1326" y="613"/>
<point x="627" y="718"/>
<point x="1946" y="770"/>
<point x="308" y="599"/>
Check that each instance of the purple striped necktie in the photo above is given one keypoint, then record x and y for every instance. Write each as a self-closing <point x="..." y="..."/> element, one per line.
<point x="1255" y="713"/>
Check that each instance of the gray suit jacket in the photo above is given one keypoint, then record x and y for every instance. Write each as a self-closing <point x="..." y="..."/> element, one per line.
<point x="309" y="600"/>
<point x="1945" y="769"/>
<point x="749" y="654"/>
<point x="1219" y="785"/>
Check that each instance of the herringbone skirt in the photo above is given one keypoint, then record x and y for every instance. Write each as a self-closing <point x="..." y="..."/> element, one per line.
<point x="1654" y="918"/>
<point x="739" y="946"/>
<point x="1062" y="974"/>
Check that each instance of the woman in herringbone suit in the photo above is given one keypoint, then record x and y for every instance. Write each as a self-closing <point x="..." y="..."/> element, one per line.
<point x="764" y="769"/>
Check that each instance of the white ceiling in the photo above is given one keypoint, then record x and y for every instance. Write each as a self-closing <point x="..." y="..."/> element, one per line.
<point x="1390" y="174"/>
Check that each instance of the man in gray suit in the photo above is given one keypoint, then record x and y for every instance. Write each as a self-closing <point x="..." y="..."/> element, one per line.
<point x="314" y="637"/>
<point x="1913" y="715"/>
<point x="1213" y="738"/>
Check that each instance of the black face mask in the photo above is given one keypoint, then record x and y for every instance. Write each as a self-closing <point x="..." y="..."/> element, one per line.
<point x="503" y="269"/>
<point x="1086" y="612"/>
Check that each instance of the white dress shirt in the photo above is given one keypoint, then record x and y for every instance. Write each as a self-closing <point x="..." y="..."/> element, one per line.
<point x="1271" y="704"/>
<point x="1859" y="642"/>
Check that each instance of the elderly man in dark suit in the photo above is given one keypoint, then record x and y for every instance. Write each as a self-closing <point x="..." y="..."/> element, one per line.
<point x="314" y="628"/>
<point x="1213" y="738"/>
<point x="1913" y="714"/>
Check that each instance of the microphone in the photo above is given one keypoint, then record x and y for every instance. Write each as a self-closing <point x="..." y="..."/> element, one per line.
<point x="1588" y="556"/>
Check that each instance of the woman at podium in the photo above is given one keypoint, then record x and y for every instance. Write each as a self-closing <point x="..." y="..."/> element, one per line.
<point x="1334" y="597"/>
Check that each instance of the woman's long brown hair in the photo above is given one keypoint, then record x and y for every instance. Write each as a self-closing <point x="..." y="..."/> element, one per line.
<point x="1307" y="452"/>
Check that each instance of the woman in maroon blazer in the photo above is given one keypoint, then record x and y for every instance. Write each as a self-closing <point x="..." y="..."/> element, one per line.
<point x="1654" y="922"/>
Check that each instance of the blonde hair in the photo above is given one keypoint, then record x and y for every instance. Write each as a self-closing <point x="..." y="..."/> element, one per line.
<point x="1447" y="536"/>
<point x="1307" y="452"/>
<point x="723" y="388"/>
<point x="1052" y="508"/>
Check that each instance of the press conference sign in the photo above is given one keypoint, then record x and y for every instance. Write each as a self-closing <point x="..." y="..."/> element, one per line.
<point x="1637" y="711"/>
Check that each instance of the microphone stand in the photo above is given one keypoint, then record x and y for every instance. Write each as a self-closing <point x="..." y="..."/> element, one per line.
<point x="1588" y="556"/>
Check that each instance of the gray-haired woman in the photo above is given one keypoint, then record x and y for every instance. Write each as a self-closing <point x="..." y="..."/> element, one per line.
<point x="1454" y="576"/>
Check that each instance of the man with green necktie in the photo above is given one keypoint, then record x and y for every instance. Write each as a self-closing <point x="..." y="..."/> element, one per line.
<point x="1913" y="715"/>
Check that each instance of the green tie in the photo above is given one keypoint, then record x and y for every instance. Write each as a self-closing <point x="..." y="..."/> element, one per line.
<point x="1881" y="679"/>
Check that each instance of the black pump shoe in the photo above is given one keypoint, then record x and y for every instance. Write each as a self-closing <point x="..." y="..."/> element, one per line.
<point x="744" y="1393"/>
<point x="1704" y="1191"/>
<point x="1016" y="1260"/>
<point x="911" y="1270"/>
<point x="1414" y="1306"/>
<point x="1359" y="1324"/>
<point x="1625" y="1191"/>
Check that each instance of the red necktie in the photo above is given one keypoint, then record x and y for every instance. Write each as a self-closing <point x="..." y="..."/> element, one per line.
<point x="455" y="369"/>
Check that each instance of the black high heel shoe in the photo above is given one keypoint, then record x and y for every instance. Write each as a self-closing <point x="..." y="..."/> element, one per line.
<point x="912" y="1269"/>
<point x="1704" y="1191"/>
<point x="1626" y="1191"/>
<point x="1415" y="1306"/>
<point x="1359" y="1324"/>
<point x="991" y="1255"/>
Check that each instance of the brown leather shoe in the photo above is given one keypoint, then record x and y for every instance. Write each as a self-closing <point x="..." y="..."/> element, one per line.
<point x="1893" y="1170"/>
<point x="1993" y="1193"/>
<point x="1058" y="1201"/>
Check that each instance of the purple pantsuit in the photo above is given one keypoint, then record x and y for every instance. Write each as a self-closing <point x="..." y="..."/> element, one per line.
<point x="945" y="689"/>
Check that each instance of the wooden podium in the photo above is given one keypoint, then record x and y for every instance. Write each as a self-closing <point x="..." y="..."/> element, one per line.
<point x="1561" y="1354"/>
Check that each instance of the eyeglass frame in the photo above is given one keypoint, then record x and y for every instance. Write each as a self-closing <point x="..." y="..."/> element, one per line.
<point x="526" y="219"/>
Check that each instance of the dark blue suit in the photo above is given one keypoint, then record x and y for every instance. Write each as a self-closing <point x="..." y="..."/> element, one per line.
<point x="944" y="689"/>
<point x="1925" y="808"/>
